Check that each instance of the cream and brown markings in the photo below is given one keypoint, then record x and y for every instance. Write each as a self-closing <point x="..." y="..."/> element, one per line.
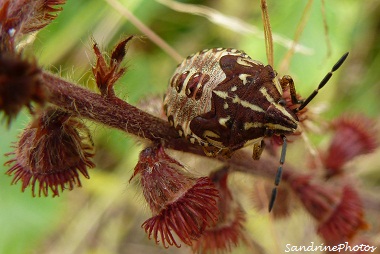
<point x="224" y="100"/>
<point x="189" y="94"/>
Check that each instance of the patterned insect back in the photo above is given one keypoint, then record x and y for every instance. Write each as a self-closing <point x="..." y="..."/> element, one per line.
<point x="224" y="100"/>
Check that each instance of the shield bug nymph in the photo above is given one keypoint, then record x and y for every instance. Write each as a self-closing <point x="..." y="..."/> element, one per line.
<point x="224" y="100"/>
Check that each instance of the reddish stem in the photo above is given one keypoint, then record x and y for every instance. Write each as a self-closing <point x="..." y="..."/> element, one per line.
<point x="114" y="112"/>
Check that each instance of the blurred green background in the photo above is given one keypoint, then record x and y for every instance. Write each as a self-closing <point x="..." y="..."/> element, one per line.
<point x="104" y="216"/>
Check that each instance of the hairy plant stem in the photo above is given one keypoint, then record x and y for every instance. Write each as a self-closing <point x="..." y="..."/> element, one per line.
<point x="116" y="113"/>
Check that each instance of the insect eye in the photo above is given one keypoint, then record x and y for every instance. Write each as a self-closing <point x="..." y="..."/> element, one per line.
<point x="282" y="102"/>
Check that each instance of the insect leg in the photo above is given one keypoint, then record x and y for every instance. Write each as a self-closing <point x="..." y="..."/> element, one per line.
<point x="258" y="149"/>
<point x="287" y="81"/>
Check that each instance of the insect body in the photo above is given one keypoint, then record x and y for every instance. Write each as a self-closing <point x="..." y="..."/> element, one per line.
<point x="224" y="100"/>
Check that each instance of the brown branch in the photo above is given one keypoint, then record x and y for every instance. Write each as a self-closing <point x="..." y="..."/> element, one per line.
<point x="113" y="112"/>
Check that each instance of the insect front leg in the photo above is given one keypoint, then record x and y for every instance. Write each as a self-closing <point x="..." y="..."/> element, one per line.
<point x="287" y="81"/>
<point x="258" y="149"/>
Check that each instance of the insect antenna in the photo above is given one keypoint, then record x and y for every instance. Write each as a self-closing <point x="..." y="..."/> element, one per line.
<point x="303" y="105"/>
<point x="322" y="83"/>
<point x="278" y="174"/>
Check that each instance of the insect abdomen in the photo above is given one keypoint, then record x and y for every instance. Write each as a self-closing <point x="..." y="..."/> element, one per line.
<point x="211" y="73"/>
